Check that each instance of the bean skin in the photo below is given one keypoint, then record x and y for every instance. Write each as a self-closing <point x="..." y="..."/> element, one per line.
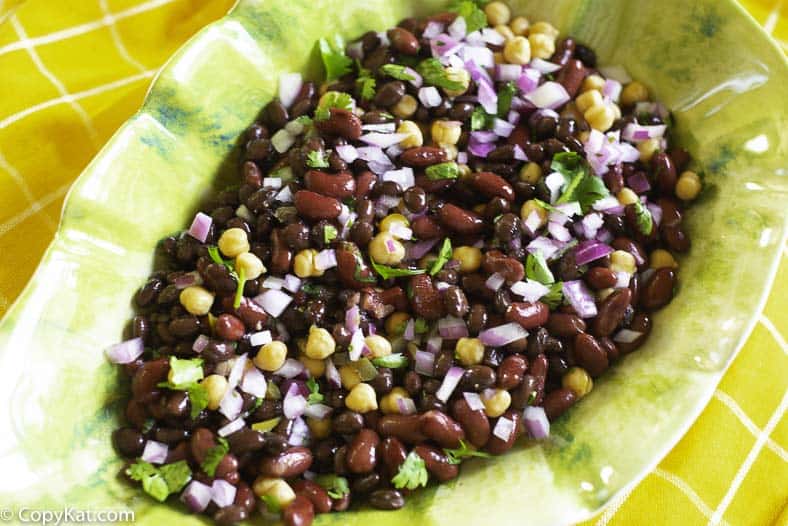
<point x="557" y="402"/>
<point x="442" y="429"/>
<point x="404" y="427"/>
<point x="437" y="463"/>
<point x="475" y="423"/>
<point x="496" y="445"/>
<point x="315" y="493"/>
<point x="362" y="452"/>
<point x="658" y="290"/>
<point x="300" y="512"/>
<point x="289" y="464"/>
<point x="393" y="454"/>
<point x="387" y="499"/>
<point x="510" y="372"/>
<point x="590" y="355"/>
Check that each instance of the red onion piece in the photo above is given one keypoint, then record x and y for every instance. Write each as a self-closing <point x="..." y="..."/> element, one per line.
<point x="483" y="136"/>
<point x="477" y="74"/>
<point x="272" y="282"/>
<point x="555" y="181"/>
<point x="519" y="153"/>
<point x="352" y="318"/>
<point x="260" y="338"/>
<point x="559" y="232"/>
<point x="606" y="203"/>
<point x="528" y="80"/>
<point x="400" y="231"/>
<point x="452" y="328"/>
<point x="532" y="223"/>
<point x="429" y="97"/>
<point x="444" y="45"/>
<point x="285" y="195"/>
<point x="545" y="245"/>
<point x="474" y="401"/>
<point x="591" y="250"/>
<point x="272" y="182"/>
<point x="488" y="98"/>
<point x="332" y="374"/>
<point x="434" y="344"/>
<point x="458" y="29"/>
<point x="403" y="177"/>
<point x="425" y="362"/>
<point x="126" y="352"/>
<point x="222" y="493"/>
<point x="292" y="283"/>
<point x="200" y="343"/>
<point x="289" y="86"/>
<point x="450" y="382"/>
<point x="231" y="404"/>
<point x="530" y="290"/>
<point x="231" y="428"/>
<point x="504" y="428"/>
<point x="480" y="149"/>
<point x="290" y="369"/>
<point x="188" y="279"/>
<point x="433" y="29"/>
<point x="196" y="496"/>
<point x="639" y="183"/>
<point x="543" y="66"/>
<point x="347" y="152"/>
<point x="254" y="383"/>
<point x="491" y="36"/>
<point x="386" y="127"/>
<point x="300" y="433"/>
<point x="406" y="406"/>
<point x="502" y="128"/>
<point x="409" y="334"/>
<point x="382" y="140"/>
<point x="549" y="95"/>
<point x="638" y="133"/>
<point x="536" y="422"/>
<point x="591" y="224"/>
<point x="622" y="279"/>
<point x="656" y="213"/>
<point x="201" y="226"/>
<point x="626" y="336"/>
<point x="294" y="403"/>
<point x="274" y="302"/>
<point x="318" y="411"/>
<point x="326" y="259"/>
<point x="581" y="299"/>
<point x="356" y="346"/>
<point x="503" y="334"/>
<point x="155" y="452"/>
<point x="495" y="281"/>
<point x="237" y="371"/>
<point x="612" y="89"/>
<point x="356" y="50"/>
<point x="508" y="72"/>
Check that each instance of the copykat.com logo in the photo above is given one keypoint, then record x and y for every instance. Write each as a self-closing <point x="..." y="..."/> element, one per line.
<point x="64" y="516"/>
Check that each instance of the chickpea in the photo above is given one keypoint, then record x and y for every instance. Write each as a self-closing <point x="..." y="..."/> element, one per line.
<point x="196" y="300"/>
<point x="542" y="45"/>
<point x="648" y="148"/>
<point x="378" y="345"/>
<point x="215" y="387"/>
<point x="320" y="343"/>
<point x="530" y="173"/>
<point x="517" y="51"/>
<point x="389" y="220"/>
<point x="349" y="377"/>
<point x="445" y="132"/>
<point x="604" y="293"/>
<point x="316" y="368"/>
<point x="577" y="380"/>
<point x="627" y="197"/>
<point x="622" y="261"/>
<point x="388" y="403"/>
<point x="395" y="323"/>
<point x="414" y="138"/>
<point x="465" y="171"/>
<point x="406" y="107"/>
<point x="304" y="264"/>
<point x="496" y="403"/>
<point x="280" y="490"/>
<point x="251" y="265"/>
<point x="460" y="75"/>
<point x="233" y="242"/>
<point x="688" y="186"/>
<point x="470" y="351"/>
<point x="361" y="399"/>
<point x="319" y="429"/>
<point x="451" y="151"/>
<point x="497" y="13"/>
<point x="519" y="25"/>
<point x="600" y="117"/>
<point x="505" y="31"/>
<point x="633" y="93"/>
<point x="470" y="258"/>
<point x="545" y="28"/>
<point x="570" y="111"/>
<point x="589" y="99"/>
<point x="661" y="258"/>
<point x="386" y="250"/>
<point x="530" y="207"/>
<point x="592" y="82"/>
<point x="271" y="356"/>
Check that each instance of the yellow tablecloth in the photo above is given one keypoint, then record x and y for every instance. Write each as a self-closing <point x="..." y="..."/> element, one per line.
<point x="72" y="71"/>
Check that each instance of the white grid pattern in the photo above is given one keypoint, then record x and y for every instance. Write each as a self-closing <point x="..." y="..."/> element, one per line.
<point x="113" y="29"/>
<point x="736" y="409"/>
<point x="687" y="490"/>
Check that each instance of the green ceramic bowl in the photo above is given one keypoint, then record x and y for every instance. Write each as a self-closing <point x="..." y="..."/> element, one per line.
<point x="707" y="60"/>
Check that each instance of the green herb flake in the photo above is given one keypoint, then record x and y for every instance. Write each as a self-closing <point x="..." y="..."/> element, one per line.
<point x="365" y="82"/>
<point x="214" y="456"/>
<point x="474" y="17"/>
<point x="304" y="120"/>
<point x="271" y="503"/>
<point x="582" y="186"/>
<point x="464" y="451"/>
<point x="176" y="475"/>
<point x="198" y="399"/>
<point x="184" y="372"/>
<point x="505" y="96"/>
<point x="555" y="296"/>
<point x="316" y="159"/>
<point x="643" y="218"/>
<point x="396" y="71"/>
<point x="443" y="256"/>
<point x="546" y="206"/>
<point x="387" y="272"/>
<point x="315" y="396"/>
<point x="161" y="482"/>
<point x="447" y="170"/>
<point x="568" y="164"/>
<point x="480" y="119"/>
<point x="536" y="268"/>
<point x="392" y="361"/>
<point x="333" y="99"/>
<point x="329" y="234"/>
<point x="335" y="61"/>
<point x="434" y="74"/>
<point x="412" y="473"/>
<point x="421" y="326"/>
<point x="336" y="486"/>
<point x="266" y="425"/>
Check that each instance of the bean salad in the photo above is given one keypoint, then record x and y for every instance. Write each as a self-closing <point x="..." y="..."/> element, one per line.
<point x="430" y="253"/>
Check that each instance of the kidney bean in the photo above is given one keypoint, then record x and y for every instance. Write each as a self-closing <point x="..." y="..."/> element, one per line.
<point x="658" y="290"/>
<point x="177" y="404"/>
<point x="387" y="499"/>
<point x="671" y="215"/>
<point x="300" y="512"/>
<point x="392" y="453"/>
<point x="314" y="206"/>
<point x="460" y="220"/>
<point x="437" y="463"/>
<point x="610" y="312"/>
<point x="227" y="469"/>
<point x="340" y="185"/>
<point x="599" y="278"/>
<point x="538" y="370"/>
<point x="492" y="185"/>
<point x="477" y="378"/>
<point x="201" y="443"/>
<point x="664" y="172"/>
<point x="425" y="299"/>
<point x="341" y="504"/>
<point x="571" y="76"/>
<point x="496" y="261"/>
<point x="281" y="256"/>
<point x="455" y="302"/>
<point x="246" y="440"/>
<point x="245" y="497"/>
<point x="610" y="348"/>
<point x="565" y="325"/>
<point x="425" y="227"/>
<point x="477" y="319"/>
<point x="403" y="41"/>
<point x="315" y="493"/>
<point x="342" y="123"/>
<point x="365" y="484"/>
<point x="475" y="423"/>
<point x="590" y="355"/>
<point x="228" y="327"/>
<point x="362" y="452"/>
<point x="230" y="515"/>
<point x="340" y="466"/>
<point x="423" y="156"/>
<point x="351" y="268"/>
<point x="406" y="428"/>
<point x="675" y="239"/>
<point x="557" y="402"/>
<point x="184" y="326"/>
<point x="275" y="114"/>
<point x="496" y="445"/>
<point x="145" y="381"/>
<point x="128" y="442"/>
<point x="641" y="322"/>
<point x="288" y="464"/>
<point x="528" y="315"/>
<point x="510" y="372"/>
<point x="389" y="94"/>
<point x="442" y="429"/>
<point x="347" y="423"/>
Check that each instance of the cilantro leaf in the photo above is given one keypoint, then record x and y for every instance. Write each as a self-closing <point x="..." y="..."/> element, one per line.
<point x="421" y="327"/>
<point x="141" y="469"/>
<point x="267" y="425"/>
<point x="433" y="73"/>
<point x="396" y="71"/>
<point x="456" y="455"/>
<point x="568" y="164"/>
<point x="643" y="218"/>
<point x="333" y="99"/>
<point x="443" y="256"/>
<point x="176" y="475"/>
<point x="546" y="206"/>
<point x="392" y="361"/>
<point x="214" y="456"/>
<point x="329" y="234"/>
<point x="536" y="268"/>
<point x="336" y="486"/>
<point x="505" y="96"/>
<point x="159" y="483"/>
<point x="271" y="503"/>
<point x="555" y="297"/>
<point x="447" y="170"/>
<point x="335" y="61"/>
<point x="387" y="272"/>
<point x="365" y="82"/>
<point x="185" y="372"/>
<point x="314" y="392"/>
<point x="480" y="119"/>
<point x="474" y="17"/>
<point x="198" y="398"/>
<point x="316" y="159"/>
<point x="304" y="120"/>
<point x="582" y="186"/>
<point x="412" y="473"/>
<point x="590" y="190"/>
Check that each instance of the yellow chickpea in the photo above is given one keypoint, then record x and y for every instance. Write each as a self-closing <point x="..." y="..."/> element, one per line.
<point x="469" y="351"/>
<point x="530" y="173"/>
<point x="578" y="381"/>
<point x="319" y="429"/>
<point x="233" y="242"/>
<point x="517" y="51"/>
<point x="589" y="99"/>
<point x="388" y="403"/>
<point x="661" y="258"/>
<point x="385" y="249"/>
<point x="633" y="93"/>
<point x="445" y="132"/>
<point x="406" y="107"/>
<point x="271" y="356"/>
<point x="542" y="45"/>
<point x="320" y="344"/>
<point x="648" y="148"/>
<point x="530" y="207"/>
<point x="627" y="197"/>
<point x="215" y="387"/>
<point x="600" y="117"/>
<point x="497" y="403"/>
<point x="362" y="399"/>
<point x="196" y="300"/>
<point x="414" y="137"/>
<point x="519" y="25"/>
<point x="395" y="323"/>
<point x="378" y="345"/>
<point x="460" y="75"/>
<point x="349" y="377"/>
<point x="470" y="258"/>
<point x="451" y="151"/>
<point x="316" y="368"/>
<point x="252" y="267"/>
<point x="497" y="13"/>
<point x="622" y="261"/>
<point x="389" y="220"/>
<point x="592" y="82"/>
<point x="505" y="31"/>
<point x="545" y="28"/>
<point x="304" y="264"/>
<point x="688" y="186"/>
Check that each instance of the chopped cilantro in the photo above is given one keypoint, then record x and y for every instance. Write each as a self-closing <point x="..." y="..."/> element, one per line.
<point x="555" y="296"/>
<point x="198" y="398"/>
<point x="392" y="361"/>
<point x="568" y="164"/>
<point x="480" y="119"/>
<point x="185" y="372"/>
<point x="546" y="206"/>
<point x="532" y="398"/>
<point x="396" y="71"/>
<point x="387" y="272"/>
<point x="447" y="170"/>
<point x="412" y="473"/>
<point x="456" y="455"/>
<point x="329" y="234"/>
<point x="475" y="18"/>
<point x="271" y="503"/>
<point x="333" y="99"/>
<point x="421" y="326"/>
<point x="443" y="256"/>
<point x="266" y="425"/>
<point x="336" y="486"/>
<point x="304" y="120"/>
<point x="314" y="392"/>
<point x="214" y="456"/>
<point x="536" y="268"/>
<point x="434" y="74"/>
<point x="582" y="186"/>
<point x="365" y="82"/>
<point x="643" y="218"/>
<point x="316" y="159"/>
<point x="505" y="96"/>
<point x="176" y="475"/>
<point x="334" y="58"/>
<point x="161" y="482"/>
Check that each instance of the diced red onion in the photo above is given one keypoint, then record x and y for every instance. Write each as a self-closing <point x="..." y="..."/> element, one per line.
<point x="580" y="298"/>
<point x="424" y="363"/>
<point x="385" y="127"/>
<point x="559" y="232"/>
<point x="590" y="250"/>
<point x="352" y="318"/>
<point x="391" y="247"/>
<point x="254" y="383"/>
<point x="482" y="56"/>
<point x="626" y="336"/>
<point x="478" y="74"/>
<point x="480" y="149"/>
<point x="475" y="38"/>
<point x="318" y="411"/>
<point x="292" y="283"/>
<point x="591" y="224"/>
<point x="488" y="98"/>
<point x="503" y="334"/>
<point x="549" y="95"/>
<point x="418" y="250"/>
<point x="474" y="401"/>
<point x="495" y="281"/>
<point x="502" y="128"/>
<point x="356" y="345"/>
<point x="285" y="195"/>
<point x="433" y="29"/>
<point x="462" y="157"/>
<point x="406" y="406"/>
<point x="126" y="351"/>
<point x="656" y="213"/>
<point x="260" y="338"/>
<point x="504" y="428"/>
<point x="634" y="132"/>
<point x="491" y="36"/>
<point x="557" y="217"/>
<point x="452" y="328"/>
<point x="409" y="334"/>
<point x="532" y="223"/>
<point x="544" y="66"/>
<point x="290" y="369"/>
<point x="200" y="343"/>
<point x="332" y="373"/>
<point x="294" y="403"/>
<point x="617" y="73"/>
<point x="222" y="493"/>
<point x="326" y="259"/>
<point x="536" y="422"/>
<point x="417" y="79"/>
<point x="571" y="209"/>
<point x="155" y="452"/>
<point x="606" y="203"/>
<point x="483" y="136"/>
<point x="555" y="181"/>
<point x="434" y="344"/>
<point x="604" y="236"/>
<point x="528" y="80"/>
<point x="373" y="154"/>
<point x="237" y="371"/>
<point x="231" y="428"/>
<point x="356" y="50"/>
<point x="272" y="282"/>
<point x="458" y="28"/>
<point x="612" y="89"/>
<point x="508" y="72"/>
<point x="196" y="496"/>
<point x="231" y="404"/>
<point x="274" y="302"/>
<point x="519" y="153"/>
<point x="382" y="140"/>
<point x="299" y="435"/>
<point x="429" y="97"/>
<point x="400" y="231"/>
<point x="272" y="182"/>
<point x="638" y="183"/>
<point x="289" y="86"/>
<point x="594" y="142"/>
<point x="347" y="152"/>
<point x="530" y="290"/>
<point x="622" y="279"/>
<point x="201" y="226"/>
<point x="444" y="45"/>
<point x="542" y="244"/>
<point x="403" y="177"/>
<point x="450" y="382"/>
